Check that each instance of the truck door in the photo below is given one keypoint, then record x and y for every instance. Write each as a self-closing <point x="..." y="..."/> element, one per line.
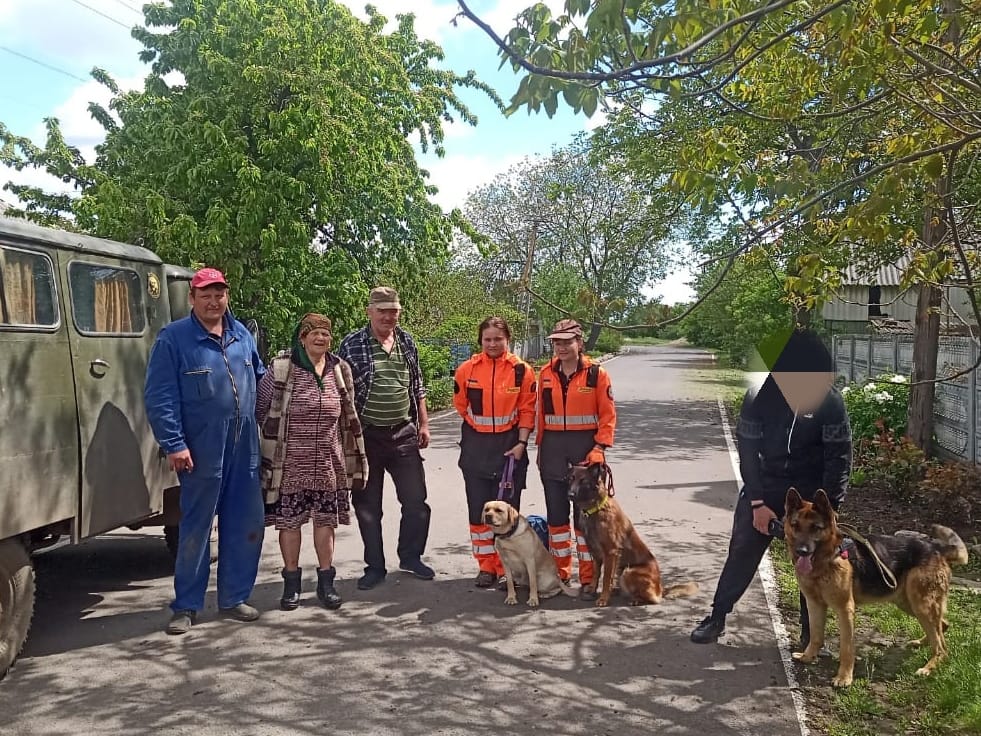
<point x="38" y="440"/>
<point x="114" y="317"/>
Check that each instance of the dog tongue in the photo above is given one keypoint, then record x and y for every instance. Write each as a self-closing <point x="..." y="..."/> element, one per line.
<point x="803" y="565"/>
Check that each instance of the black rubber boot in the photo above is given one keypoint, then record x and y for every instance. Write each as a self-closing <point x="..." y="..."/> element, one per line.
<point x="325" y="588"/>
<point x="291" y="590"/>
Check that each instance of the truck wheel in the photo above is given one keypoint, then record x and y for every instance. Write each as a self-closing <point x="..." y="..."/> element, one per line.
<point x="172" y="536"/>
<point x="16" y="601"/>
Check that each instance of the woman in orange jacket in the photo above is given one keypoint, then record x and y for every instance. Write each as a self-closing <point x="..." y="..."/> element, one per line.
<point x="576" y="423"/>
<point x="494" y="393"/>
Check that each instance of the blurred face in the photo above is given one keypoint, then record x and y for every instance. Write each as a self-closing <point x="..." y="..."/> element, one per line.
<point x="494" y="342"/>
<point x="566" y="349"/>
<point x="209" y="303"/>
<point x="383" y="321"/>
<point x="805" y="391"/>
<point x="316" y="343"/>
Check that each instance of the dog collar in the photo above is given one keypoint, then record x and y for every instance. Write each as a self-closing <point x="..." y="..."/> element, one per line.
<point x="598" y="507"/>
<point x="507" y="534"/>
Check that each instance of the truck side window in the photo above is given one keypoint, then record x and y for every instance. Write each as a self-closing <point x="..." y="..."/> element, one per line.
<point x="106" y="300"/>
<point x="27" y="289"/>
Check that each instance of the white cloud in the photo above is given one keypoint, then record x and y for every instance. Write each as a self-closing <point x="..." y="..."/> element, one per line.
<point x="72" y="36"/>
<point x="458" y="175"/>
<point x="433" y="17"/>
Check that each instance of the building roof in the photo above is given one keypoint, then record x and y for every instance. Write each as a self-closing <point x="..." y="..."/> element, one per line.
<point x="888" y="275"/>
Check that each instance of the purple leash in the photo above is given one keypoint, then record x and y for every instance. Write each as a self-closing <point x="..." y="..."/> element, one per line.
<point x="506" y="487"/>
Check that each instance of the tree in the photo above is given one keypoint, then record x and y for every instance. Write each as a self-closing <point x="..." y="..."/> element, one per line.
<point x="589" y="218"/>
<point x="281" y="154"/>
<point x="835" y="128"/>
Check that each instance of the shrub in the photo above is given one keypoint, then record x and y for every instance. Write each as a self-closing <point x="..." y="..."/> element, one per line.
<point x="434" y="362"/>
<point x="956" y="486"/>
<point x="891" y="462"/>
<point x="439" y="393"/>
<point x="610" y="341"/>
<point x="884" y="399"/>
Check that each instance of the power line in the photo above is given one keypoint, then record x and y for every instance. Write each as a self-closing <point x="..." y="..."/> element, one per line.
<point x="130" y="7"/>
<point x="104" y="15"/>
<point x="44" y="64"/>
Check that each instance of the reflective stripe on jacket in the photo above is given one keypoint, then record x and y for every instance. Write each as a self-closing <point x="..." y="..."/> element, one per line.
<point x="580" y="406"/>
<point x="488" y="396"/>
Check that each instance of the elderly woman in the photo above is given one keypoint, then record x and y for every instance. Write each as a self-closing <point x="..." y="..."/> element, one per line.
<point x="312" y="452"/>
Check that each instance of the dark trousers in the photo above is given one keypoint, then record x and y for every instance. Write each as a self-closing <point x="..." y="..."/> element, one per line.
<point x="557" y="503"/>
<point x="480" y="490"/>
<point x="746" y="549"/>
<point x="395" y="451"/>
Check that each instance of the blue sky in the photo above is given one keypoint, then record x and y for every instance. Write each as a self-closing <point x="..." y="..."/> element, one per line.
<point x="71" y="38"/>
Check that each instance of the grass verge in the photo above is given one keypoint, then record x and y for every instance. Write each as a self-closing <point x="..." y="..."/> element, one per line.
<point x="887" y="696"/>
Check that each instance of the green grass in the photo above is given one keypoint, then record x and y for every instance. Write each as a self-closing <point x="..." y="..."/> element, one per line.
<point x="887" y="696"/>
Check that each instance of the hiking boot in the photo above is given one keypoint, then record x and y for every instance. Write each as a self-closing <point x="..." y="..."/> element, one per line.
<point x="242" y="612"/>
<point x="585" y="594"/>
<point x="502" y="582"/>
<point x="485" y="579"/>
<point x="418" y="568"/>
<point x="291" y="590"/>
<point x="709" y="630"/>
<point x="370" y="579"/>
<point x="325" y="589"/>
<point x="181" y="622"/>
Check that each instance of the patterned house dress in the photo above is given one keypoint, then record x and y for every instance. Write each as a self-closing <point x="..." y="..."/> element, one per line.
<point x="315" y="484"/>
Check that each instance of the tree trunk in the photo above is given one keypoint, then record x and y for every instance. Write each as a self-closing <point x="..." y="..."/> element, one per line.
<point x="593" y="338"/>
<point x="926" y="340"/>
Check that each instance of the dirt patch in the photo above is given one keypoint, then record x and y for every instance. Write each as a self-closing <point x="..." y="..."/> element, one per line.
<point x="874" y="510"/>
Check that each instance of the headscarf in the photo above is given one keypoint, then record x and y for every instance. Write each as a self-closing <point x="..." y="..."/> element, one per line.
<point x="307" y="324"/>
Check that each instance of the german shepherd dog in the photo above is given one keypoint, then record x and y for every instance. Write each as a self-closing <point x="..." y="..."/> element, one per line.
<point x="831" y="575"/>
<point x="615" y="544"/>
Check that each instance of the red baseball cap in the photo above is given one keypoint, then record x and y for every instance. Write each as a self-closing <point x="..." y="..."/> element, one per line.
<point x="207" y="277"/>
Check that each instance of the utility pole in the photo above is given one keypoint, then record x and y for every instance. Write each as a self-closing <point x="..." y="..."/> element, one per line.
<point x="526" y="282"/>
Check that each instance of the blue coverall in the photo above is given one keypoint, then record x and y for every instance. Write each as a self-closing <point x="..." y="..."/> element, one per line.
<point x="200" y="394"/>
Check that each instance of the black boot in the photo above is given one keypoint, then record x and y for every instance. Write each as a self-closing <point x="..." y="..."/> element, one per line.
<point x="291" y="590"/>
<point x="325" y="588"/>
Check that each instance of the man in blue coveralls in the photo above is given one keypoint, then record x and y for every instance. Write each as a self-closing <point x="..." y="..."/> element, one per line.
<point x="200" y="401"/>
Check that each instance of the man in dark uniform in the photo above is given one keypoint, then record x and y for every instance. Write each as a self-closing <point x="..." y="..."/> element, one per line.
<point x="793" y="431"/>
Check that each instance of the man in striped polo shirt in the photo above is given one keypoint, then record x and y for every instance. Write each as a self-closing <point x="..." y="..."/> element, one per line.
<point x="391" y="401"/>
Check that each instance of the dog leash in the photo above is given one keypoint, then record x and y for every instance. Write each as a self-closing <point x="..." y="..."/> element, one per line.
<point x="609" y="484"/>
<point x="853" y="533"/>
<point x="505" y="488"/>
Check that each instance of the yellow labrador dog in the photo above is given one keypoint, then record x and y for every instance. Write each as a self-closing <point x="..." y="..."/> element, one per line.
<point x="525" y="559"/>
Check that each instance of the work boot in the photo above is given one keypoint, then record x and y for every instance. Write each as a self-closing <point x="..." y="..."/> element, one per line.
<point x="181" y="622"/>
<point x="325" y="588"/>
<point x="291" y="589"/>
<point x="371" y="578"/>
<point x="709" y="630"/>
<point x="242" y="612"/>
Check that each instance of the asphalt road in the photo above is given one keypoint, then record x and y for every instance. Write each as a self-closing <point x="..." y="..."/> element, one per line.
<point x="417" y="658"/>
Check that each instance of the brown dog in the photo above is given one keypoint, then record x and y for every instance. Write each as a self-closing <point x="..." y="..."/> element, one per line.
<point x="834" y="573"/>
<point x="615" y="544"/>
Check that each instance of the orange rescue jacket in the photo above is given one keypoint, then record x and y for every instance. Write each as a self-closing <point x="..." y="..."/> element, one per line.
<point x="587" y="402"/>
<point x="495" y="395"/>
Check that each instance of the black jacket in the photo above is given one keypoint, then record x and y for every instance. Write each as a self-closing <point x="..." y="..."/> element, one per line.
<point x="778" y="449"/>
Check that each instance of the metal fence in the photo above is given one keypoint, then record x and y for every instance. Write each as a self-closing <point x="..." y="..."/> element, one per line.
<point x="957" y="407"/>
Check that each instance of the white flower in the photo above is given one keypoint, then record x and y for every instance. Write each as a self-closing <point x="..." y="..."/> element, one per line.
<point x="869" y="387"/>
<point x="882" y="397"/>
<point x="845" y="390"/>
<point x="898" y="379"/>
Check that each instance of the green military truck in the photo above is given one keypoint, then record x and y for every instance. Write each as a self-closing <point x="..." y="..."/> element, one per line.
<point x="78" y="316"/>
